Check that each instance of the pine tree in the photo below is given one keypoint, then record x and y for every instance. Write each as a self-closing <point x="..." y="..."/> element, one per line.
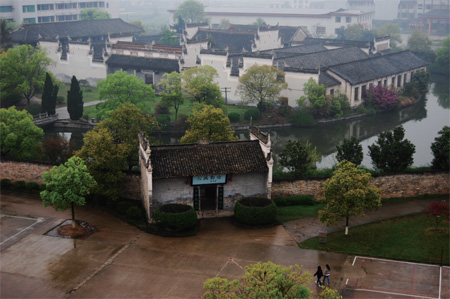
<point x="75" y="100"/>
<point x="49" y="96"/>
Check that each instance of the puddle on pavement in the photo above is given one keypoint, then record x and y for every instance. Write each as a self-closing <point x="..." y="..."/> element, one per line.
<point x="89" y="230"/>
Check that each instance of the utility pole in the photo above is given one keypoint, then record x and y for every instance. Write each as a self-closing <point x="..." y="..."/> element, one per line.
<point x="226" y="90"/>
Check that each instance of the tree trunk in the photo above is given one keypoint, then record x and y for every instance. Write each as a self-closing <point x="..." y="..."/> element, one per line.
<point x="73" y="216"/>
<point x="346" y="225"/>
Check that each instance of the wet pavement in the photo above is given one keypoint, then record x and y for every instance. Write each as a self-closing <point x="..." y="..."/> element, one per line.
<point x="118" y="260"/>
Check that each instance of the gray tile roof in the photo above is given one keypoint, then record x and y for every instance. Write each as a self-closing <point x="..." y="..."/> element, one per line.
<point x="378" y="67"/>
<point x="234" y="41"/>
<point x="155" y="64"/>
<point x="327" y="80"/>
<point x="184" y="160"/>
<point x="29" y="33"/>
<point x="322" y="59"/>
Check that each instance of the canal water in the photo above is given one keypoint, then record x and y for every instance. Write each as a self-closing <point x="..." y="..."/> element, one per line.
<point x="421" y="122"/>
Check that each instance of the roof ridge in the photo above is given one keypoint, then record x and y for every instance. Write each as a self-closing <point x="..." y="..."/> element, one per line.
<point x="372" y="58"/>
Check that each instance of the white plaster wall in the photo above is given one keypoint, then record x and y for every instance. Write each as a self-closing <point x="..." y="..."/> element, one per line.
<point x="79" y="63"/>
<point x="268" y="40"/>
<point x="193" y="50"/>
<point x="177" y="190"/>
<point x="295" y="83"/>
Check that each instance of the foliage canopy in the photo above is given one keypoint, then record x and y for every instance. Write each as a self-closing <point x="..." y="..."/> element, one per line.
<point x="441" y="150"/>
<point x="350" y="150"/>
<point x="191" y="11"/>
<point x="298" y="157"/>
<point x="93" y="14"/>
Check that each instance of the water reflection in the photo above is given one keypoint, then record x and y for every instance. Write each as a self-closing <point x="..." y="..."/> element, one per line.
<point x="441" y="90"/>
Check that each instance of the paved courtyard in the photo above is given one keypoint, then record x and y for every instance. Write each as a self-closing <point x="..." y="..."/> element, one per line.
<point x="121" y="261"/>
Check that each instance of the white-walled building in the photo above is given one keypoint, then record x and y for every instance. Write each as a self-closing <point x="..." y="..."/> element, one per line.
<point x="47" y="11"/>
<point x="319" y="22"/>
<point x="78" y="48"/>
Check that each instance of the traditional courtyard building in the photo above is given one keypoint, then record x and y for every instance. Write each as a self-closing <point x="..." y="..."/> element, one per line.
<point x="211" y="177"/>
<point x="79" y="48"/>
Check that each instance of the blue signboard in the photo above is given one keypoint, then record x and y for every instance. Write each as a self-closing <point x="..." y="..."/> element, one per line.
<point x="209" y="179"/>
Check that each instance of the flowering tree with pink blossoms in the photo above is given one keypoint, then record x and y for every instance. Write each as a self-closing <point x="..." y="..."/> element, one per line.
<point x="384" y="98"/>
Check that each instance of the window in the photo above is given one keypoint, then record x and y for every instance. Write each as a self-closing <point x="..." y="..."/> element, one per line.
<point x="385" y="82"/>
<point x="379" y="83"/>
<point x="393" y="81"/>
<point x="338" y="19"/>
<point x="101" y="4"/>
<point x="399" y="80"/>
<point x="6" y="8"/>
<point x="356" y="94"/>
<point x="364" y="91"/>
<point x="332" y="91"/>
<point x="348" y="19"/>
<point x="88" y="4"/>
<point x="404" y="78"/>
<point x="46" y="19"/>
<point x="320" y="30"/>
<point x="412" y="75"/>
<point x="45" y="7"/>
<point x="29" y="20"/>
<point x="66" y="18"/>
<point x="66" y="5"/>
<point x="28" y="8"/>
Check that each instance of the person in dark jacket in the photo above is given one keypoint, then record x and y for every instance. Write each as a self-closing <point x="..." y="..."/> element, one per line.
<point x="319" y="275"/>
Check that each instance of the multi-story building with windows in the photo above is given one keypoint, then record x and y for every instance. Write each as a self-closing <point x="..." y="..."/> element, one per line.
<point x="47" y="11"/>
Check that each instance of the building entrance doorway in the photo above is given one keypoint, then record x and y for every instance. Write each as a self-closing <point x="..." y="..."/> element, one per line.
<point x="208" y="195"/>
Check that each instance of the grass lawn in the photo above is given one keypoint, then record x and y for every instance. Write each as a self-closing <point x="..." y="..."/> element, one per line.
<point x="289" y="213"/>
<point x="408" y="238"/>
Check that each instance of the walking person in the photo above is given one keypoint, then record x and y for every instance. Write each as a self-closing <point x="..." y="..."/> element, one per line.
<point x="326" y="275"/>
<point x="319" y="275"/>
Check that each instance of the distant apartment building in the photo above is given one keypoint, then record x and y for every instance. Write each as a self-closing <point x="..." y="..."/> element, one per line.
<point x="424" y="6"/>
<point x="319" y="22"/>
<point x="407" y="10"/>
<point x="368" y="5"/>
<point x="48" y="11"/>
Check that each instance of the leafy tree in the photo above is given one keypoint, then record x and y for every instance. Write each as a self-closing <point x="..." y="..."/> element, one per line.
<point x="57" y="150"/>
<point x="391" y="29"/>
<point x="199" y="86"/>
<point x="210" y="123"/>
<point x="75" y="100"/>
<point x="441" y="150"/>
<point x="124" y="124"/>
<point x="262" y="280"/>
<point x="173" y="93"/>
<point x="348" y="193"/>
<point x="439" y="211"/>
<point x="19" y="136"/>
<point x="314" y="99"/>
<point x="340" y="33"/>
<point x="442" y="63"/>
<point x="137" y="23"/>
<point x="67" y="185"/>
<point x="190" y="11"/>
<point x="350" y="150"/>
<point x="224" y="24"/>
<point x="23" y="71"/>
<point x="419" y="41"/>
<point x="105" y="161"/>
<point x="93" y="14"/>
<point x="391" y="153"/>
<point x="119" y="88"/>
<point x="260" y="22"/>
<point x="168" y="38"/>
<point x="261" y="84"/>
<point x="298" y="157"/>
<point x="6" y="27"/>
<point x="354" y="32"/>
<point x="384" y="98"/>
<point x="49" y="96"/>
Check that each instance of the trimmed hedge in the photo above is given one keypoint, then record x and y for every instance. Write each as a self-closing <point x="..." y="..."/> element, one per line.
<point x="255" y="211"/>
<point x="176" y="217"/>
<point x="134" y="213"/>
<point x="32" y="187"/>
<point x="19" y="186"/>
<point x="6" y="184"/>
<point x="234" y="117"/>
<point x="302" y="200"/>
<point x="122" y="207"/>
<point x="251" y="113"/>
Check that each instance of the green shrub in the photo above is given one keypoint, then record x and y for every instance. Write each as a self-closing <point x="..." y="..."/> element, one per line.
<point x="255" y="211"/>
<point x="163" y="120"/>
<point x="134" y="213"/>
<point x="161" y="109"/>
<point x="19" y="186"/>
<point x="34" y="109"/>
<point x="32" y="187"/>
<point x="264" y="106"/>
<point x="42" y="187"/>
<point x="60" y="100"/>
<point x="301" y="118"/>
<point x="251" y="113"/>
<point x="302" y="200"/>
<point x="122" y="207"/>
<point x="6" y="184"/>
<point x="176" y="217"/>
<point x="234" y="117"/>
